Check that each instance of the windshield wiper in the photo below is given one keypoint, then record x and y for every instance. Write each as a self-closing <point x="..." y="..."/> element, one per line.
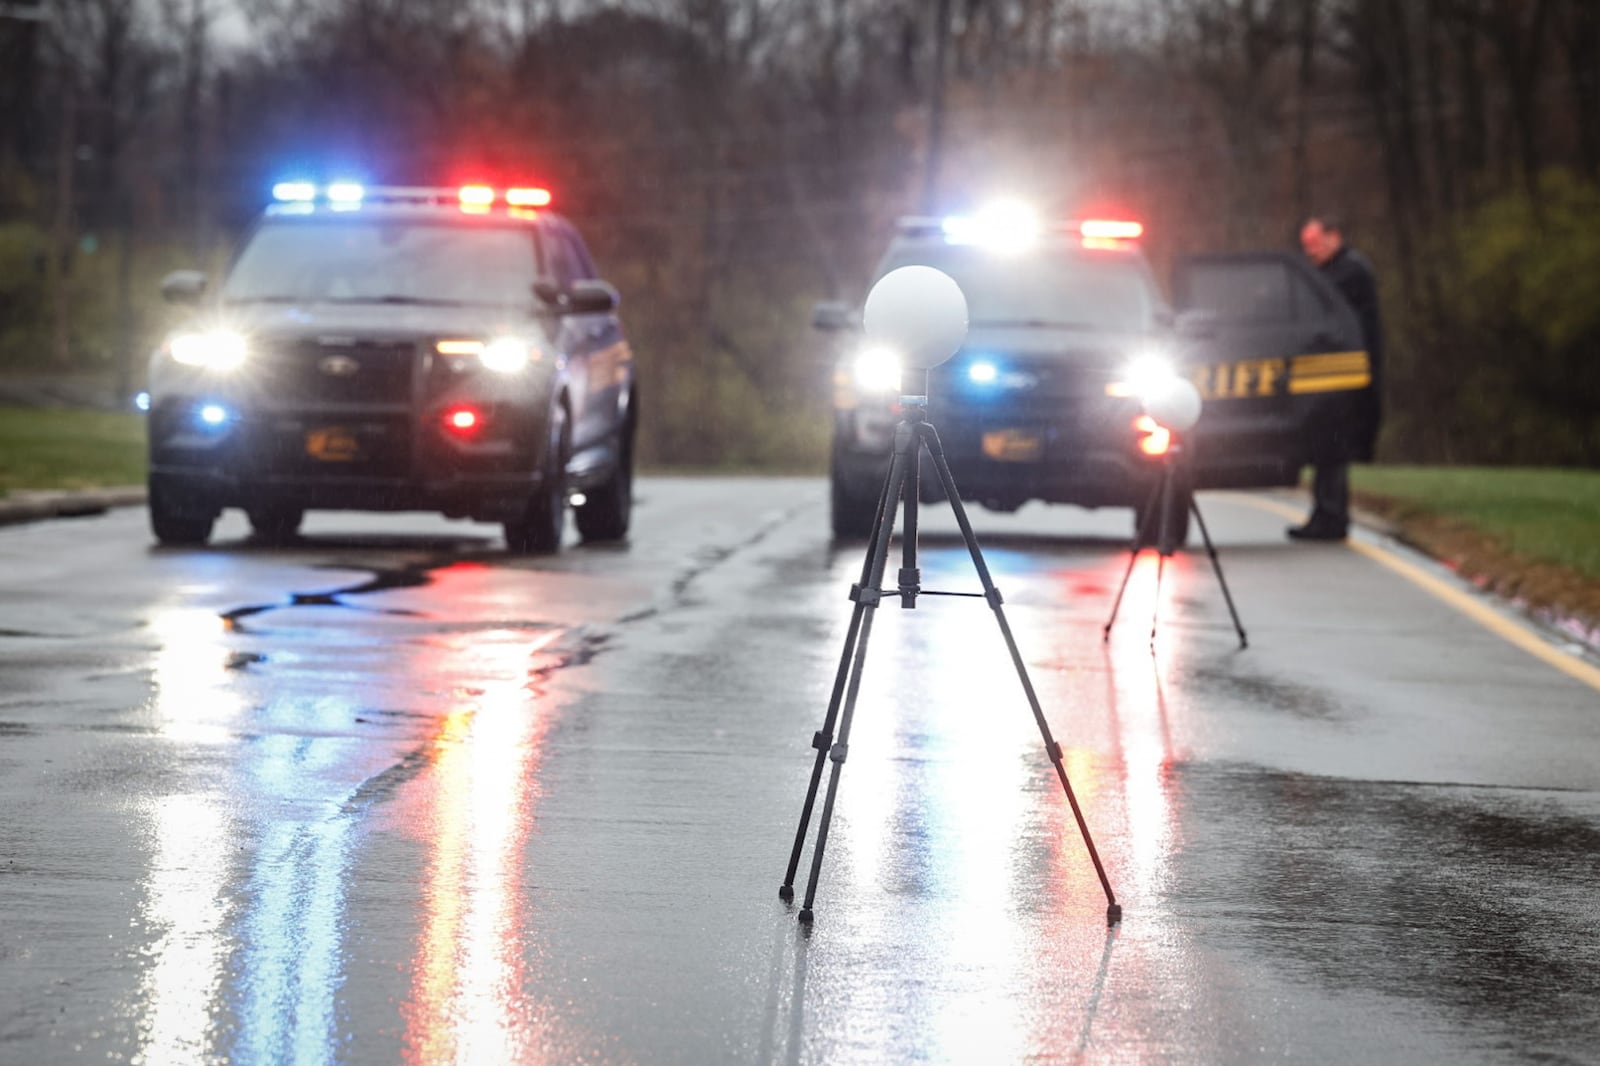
<point x="1033" y="323"/>
<point x="396" y="298"/>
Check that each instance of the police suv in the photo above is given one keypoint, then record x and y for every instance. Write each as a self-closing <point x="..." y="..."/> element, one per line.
<point x="397" y="348"/>
<point x="1068" y="328"/>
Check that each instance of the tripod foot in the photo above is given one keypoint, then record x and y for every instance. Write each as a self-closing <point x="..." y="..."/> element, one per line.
<point x="805" y="916"/>
<point x="786" y="893"/>
<point x="1113" y="914"/>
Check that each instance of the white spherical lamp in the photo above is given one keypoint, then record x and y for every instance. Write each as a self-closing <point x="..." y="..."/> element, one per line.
<point x="1175" y="404"/>
<point x="918" y="311"/>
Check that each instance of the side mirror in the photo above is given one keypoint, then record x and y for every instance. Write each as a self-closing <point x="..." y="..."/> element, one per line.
<point x="589" y="296"/>
<point x="183" y="287"/>
<point x="1197" y="324"/>
<point x="834" y="316"/>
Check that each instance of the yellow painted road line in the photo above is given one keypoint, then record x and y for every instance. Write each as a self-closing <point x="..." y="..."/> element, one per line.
<point x="1468" y="605"/>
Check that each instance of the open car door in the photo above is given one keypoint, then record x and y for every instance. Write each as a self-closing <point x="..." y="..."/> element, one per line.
<point x="1277" y="355"/>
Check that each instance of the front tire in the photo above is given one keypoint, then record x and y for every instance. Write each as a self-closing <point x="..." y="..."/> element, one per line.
<point x="275" y="525"/>
<point x="607" y="510"/>
<point x="538" y="531"/>
<point x="172" y="526"/>
<point x="854" y="505"/>
<point x="1183" y="507"/>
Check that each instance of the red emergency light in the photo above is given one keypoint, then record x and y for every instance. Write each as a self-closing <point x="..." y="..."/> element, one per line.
<point x="1106" y="229"/>
<point x="528" y="197"/>
<point x="463" y="421"/>
<point x="476" y="196"/>
<point x="1156" y="439"/>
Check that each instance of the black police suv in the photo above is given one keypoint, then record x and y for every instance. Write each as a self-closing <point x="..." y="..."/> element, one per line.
<point x="391" y="349"/>
<point x="1068" y="327"/>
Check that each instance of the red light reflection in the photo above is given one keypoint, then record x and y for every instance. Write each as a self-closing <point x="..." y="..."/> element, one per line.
<point x="468" y="1001"/>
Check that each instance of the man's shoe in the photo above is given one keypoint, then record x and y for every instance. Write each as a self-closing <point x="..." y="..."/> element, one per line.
<point x="1318" y="530"/>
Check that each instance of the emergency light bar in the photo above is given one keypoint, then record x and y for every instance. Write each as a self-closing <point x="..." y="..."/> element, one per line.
<point x="1011" y="229"/>
<point x="351" y="194"/>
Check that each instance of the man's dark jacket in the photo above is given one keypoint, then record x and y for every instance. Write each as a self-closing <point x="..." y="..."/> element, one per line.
<point x="1354" y="439"/>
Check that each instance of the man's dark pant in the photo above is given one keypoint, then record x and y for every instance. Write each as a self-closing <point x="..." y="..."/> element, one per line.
<point x="1330" y="494"/>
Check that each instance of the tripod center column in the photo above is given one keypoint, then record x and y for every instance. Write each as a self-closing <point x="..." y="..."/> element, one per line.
<point x="914" y="407"/>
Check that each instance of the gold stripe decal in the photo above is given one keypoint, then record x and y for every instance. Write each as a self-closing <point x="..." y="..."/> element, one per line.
<point x="1329" y="383"/>
<point x="1330" y="372"/>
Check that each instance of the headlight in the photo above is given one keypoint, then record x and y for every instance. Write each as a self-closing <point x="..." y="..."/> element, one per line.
<point x="878" y="370"/>
<point x="218" y="349"/>
<point x="1144" y="375"/>
<point x="505" y="355"/>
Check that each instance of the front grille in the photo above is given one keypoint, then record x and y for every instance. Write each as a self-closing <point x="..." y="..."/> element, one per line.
<point x="347" y="372"/>
<point x="1036" y="392"/>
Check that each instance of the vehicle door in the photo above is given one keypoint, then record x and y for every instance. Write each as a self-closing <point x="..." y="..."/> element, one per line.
<point x="599" y="363"/>
<point x="1274" y="350"/>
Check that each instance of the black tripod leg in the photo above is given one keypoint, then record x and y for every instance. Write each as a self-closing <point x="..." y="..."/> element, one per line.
<point x="992" y="595"/>
<point x="906" y="445"/>
<point x="823" y="739"/>
<point x="1141" y="534"/>
<point x="1216" y="564"/>
<point x="1155" y="613"/>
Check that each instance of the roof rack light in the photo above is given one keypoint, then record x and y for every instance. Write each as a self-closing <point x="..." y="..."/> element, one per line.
<point x="294" y="191"/>
<point x="1106" y="229"/>
<point x="528" y="197"/>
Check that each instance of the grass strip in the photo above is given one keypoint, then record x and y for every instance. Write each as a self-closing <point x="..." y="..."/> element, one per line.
<point x="1529" y="534"/>
<point x="48" y="448"/>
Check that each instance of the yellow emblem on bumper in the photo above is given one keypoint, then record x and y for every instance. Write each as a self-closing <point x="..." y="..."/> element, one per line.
<point x="1012" y="446"/>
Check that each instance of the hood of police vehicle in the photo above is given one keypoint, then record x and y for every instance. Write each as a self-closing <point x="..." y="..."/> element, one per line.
<point x="373" y="320"/>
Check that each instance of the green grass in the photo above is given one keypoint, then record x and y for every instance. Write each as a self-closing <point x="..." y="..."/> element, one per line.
<point x="69" y="449"/>
<point x="1542" y="515"/>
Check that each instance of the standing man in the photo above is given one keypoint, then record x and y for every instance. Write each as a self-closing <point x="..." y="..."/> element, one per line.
<point x="1343" y="440"/>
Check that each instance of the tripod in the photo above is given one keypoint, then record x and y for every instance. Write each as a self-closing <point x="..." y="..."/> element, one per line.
<point x="1159" y="513"/>
<point x="912" y="435"/>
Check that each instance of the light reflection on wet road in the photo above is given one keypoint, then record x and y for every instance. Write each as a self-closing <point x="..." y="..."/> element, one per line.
<point x="389" y="796"/>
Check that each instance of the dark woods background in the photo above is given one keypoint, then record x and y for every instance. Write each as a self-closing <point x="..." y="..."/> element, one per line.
<point x="734" y="160"/>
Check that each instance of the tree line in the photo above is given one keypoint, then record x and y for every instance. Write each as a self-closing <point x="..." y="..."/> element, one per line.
<point x="734" y="160"/>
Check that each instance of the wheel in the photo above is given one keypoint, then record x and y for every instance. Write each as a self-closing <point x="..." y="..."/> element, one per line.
<point x="606" y="510"/>
<point x="854" y="505"/>
<point x="171" y="525"/>
<point x="1182" y="506"/>
<point x="275" y="525"/>
<point x="538" y="531"/>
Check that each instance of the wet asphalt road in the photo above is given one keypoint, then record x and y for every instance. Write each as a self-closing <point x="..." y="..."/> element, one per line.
<point x="390" y="796"/>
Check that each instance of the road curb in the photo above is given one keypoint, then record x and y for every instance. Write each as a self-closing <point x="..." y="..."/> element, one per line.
<point x="38" y="506"/>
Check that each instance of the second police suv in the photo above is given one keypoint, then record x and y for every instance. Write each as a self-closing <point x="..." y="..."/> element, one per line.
<point x="1068" y="330"/>
<point x="397" y="348"/>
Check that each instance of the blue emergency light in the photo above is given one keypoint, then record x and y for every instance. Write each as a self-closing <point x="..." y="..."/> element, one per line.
<point x="982" y="372"/>
<point x="294" y="192"/>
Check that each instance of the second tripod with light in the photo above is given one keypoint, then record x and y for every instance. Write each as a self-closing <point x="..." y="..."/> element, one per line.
<point x="1160" y="525"/>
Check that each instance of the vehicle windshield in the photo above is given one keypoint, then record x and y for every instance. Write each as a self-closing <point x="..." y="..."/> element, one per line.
<point x="384" y="261"/>
<point x="1049" y="287"/>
